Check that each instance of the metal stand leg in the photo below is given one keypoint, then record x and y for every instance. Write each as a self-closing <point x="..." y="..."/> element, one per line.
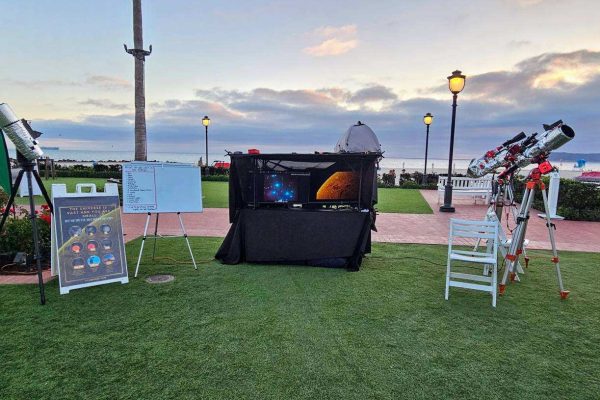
<point x="563" y="293"/>
<point x="516" y="245"/>
<point x="36" y="244"/>
<point x="187" y="240"/>
<point x="11" y="200"/>
<point x="511" y="201"/>
<point x="137" y="267"/>
<point x="155" y="236"/>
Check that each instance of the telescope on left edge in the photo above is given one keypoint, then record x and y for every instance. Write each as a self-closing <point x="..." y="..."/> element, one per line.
<point x="20" y="133"/>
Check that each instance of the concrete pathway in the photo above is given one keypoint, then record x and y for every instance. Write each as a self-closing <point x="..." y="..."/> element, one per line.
<point x="392" y="228"/>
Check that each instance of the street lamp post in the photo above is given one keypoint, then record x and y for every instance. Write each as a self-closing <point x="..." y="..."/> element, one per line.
<point x="206" y="123"/>
<point x="456" y="83"/>
<point x="427" y="119"/>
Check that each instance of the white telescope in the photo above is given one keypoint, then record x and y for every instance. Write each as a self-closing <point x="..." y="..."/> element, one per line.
<point x="19" y="132"/>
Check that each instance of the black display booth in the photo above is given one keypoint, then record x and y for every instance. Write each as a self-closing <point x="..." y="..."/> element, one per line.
<point x="309" y="209"/>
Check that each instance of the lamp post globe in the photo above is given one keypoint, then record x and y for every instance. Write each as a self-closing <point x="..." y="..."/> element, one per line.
<point x="456" y="83"/>
<point x="427" y="120"/>
<point x="206" y="123"/>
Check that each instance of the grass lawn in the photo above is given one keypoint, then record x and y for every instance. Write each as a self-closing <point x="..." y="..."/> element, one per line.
<point x="284" y="332"/>
<point x="216" y="195"/>
<point x="406" y="201"/>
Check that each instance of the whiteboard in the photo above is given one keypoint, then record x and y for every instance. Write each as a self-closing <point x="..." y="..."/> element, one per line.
<point x="153" y="187"/>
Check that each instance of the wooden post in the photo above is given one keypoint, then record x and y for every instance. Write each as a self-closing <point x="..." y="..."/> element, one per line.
<point x="139" y="55"/>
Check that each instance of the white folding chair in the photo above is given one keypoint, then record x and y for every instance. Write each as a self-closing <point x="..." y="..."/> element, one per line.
<point x="461" y="230"/>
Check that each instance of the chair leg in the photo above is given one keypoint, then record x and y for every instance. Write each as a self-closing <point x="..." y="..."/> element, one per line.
<point x="447" y="279"/>
<point x="494" y="284"/>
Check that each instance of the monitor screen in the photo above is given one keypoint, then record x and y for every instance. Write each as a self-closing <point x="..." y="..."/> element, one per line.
<point x="280" y="188"/>
<point x="339" y="185"/>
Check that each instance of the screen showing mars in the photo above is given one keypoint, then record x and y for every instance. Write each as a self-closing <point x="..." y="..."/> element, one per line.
<point x="341" y="185"/>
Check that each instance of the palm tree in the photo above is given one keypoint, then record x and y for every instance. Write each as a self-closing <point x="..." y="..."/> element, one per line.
<point x="139" y="54"/>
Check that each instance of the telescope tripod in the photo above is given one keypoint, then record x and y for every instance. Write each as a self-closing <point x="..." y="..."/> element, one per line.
<point x="503" y="196"/>
<point x="533" y="183"/>
<point x="28" y="169"/>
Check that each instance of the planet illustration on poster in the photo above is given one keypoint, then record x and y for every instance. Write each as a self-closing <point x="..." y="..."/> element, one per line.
<point x="74" y="231"/>
<point x="342" y="185"/>
<point x="92" y="245"/>
<point x="78" y="263"/>
<point x="93" y="261"/>
<point x="107" y="244"/>
<point x="108" y="259"/>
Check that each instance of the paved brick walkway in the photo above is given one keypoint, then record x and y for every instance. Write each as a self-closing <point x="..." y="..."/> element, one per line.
<point x="392" y="228"/>
<point x="433" y="228"/>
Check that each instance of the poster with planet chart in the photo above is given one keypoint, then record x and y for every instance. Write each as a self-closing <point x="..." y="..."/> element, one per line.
<point x="89" y="241"/>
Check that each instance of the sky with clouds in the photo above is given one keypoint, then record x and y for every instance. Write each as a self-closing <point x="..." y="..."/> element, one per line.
<point x="292" y="76"/>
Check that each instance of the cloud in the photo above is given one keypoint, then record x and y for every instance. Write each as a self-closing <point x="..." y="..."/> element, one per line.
<point x="374" y="93"/>
<point x="108" y="82"/>
<point x="104" y="104"/>
<point x="334" y="41"/>
<point x="101" y="81"/>
<point x="333" y="31"/>
<point x="526" y="3"/>
<point x="519" y="43"/>
<point x="533" y="78"/>
<point x="331" y="47"/>
<point x="493" y="107"/>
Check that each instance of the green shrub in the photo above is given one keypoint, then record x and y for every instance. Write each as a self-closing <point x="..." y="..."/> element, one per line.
<point x="577" y="201"/>
<point x="3" y="198"/>
<point x="216" y="178"/>
<point x="16" y="235"/>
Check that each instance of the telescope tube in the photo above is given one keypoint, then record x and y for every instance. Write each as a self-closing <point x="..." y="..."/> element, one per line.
<point x="18" y="133"/>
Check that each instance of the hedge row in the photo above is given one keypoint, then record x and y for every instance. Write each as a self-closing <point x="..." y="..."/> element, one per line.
<point x="577" y="201"/>
<point x="114" y="172"/>
<point x="409" y="181"/>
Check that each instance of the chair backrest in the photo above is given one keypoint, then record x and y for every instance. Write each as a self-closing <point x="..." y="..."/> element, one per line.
<point x="466" y="183"/>
<point x="475" y="230"/>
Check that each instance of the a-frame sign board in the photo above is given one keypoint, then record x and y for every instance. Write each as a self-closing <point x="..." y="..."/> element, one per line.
<point x="87" y="237"/>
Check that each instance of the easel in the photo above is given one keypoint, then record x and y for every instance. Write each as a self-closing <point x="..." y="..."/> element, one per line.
<point x="156" y="236"/>
<point x="28" y="169"/>
<point x="533" y="183"/>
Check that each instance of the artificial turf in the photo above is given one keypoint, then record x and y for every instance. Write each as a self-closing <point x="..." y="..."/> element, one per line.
<point x="290" y="332"/>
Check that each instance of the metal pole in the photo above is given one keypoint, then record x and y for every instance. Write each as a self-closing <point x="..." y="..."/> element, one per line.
<point x="447" y="207"/>
<point x="206" y="146"/>
<point x="36" y="245"/>
<point x="426" y="148"/>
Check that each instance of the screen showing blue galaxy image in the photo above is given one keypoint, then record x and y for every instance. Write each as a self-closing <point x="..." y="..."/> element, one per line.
<point x="281" y="188"/>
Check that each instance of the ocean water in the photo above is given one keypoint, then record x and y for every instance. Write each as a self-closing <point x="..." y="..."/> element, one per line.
<point x="386" y="163"/>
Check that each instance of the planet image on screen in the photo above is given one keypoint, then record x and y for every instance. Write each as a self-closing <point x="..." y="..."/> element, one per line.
<point x="342" y="185"/>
